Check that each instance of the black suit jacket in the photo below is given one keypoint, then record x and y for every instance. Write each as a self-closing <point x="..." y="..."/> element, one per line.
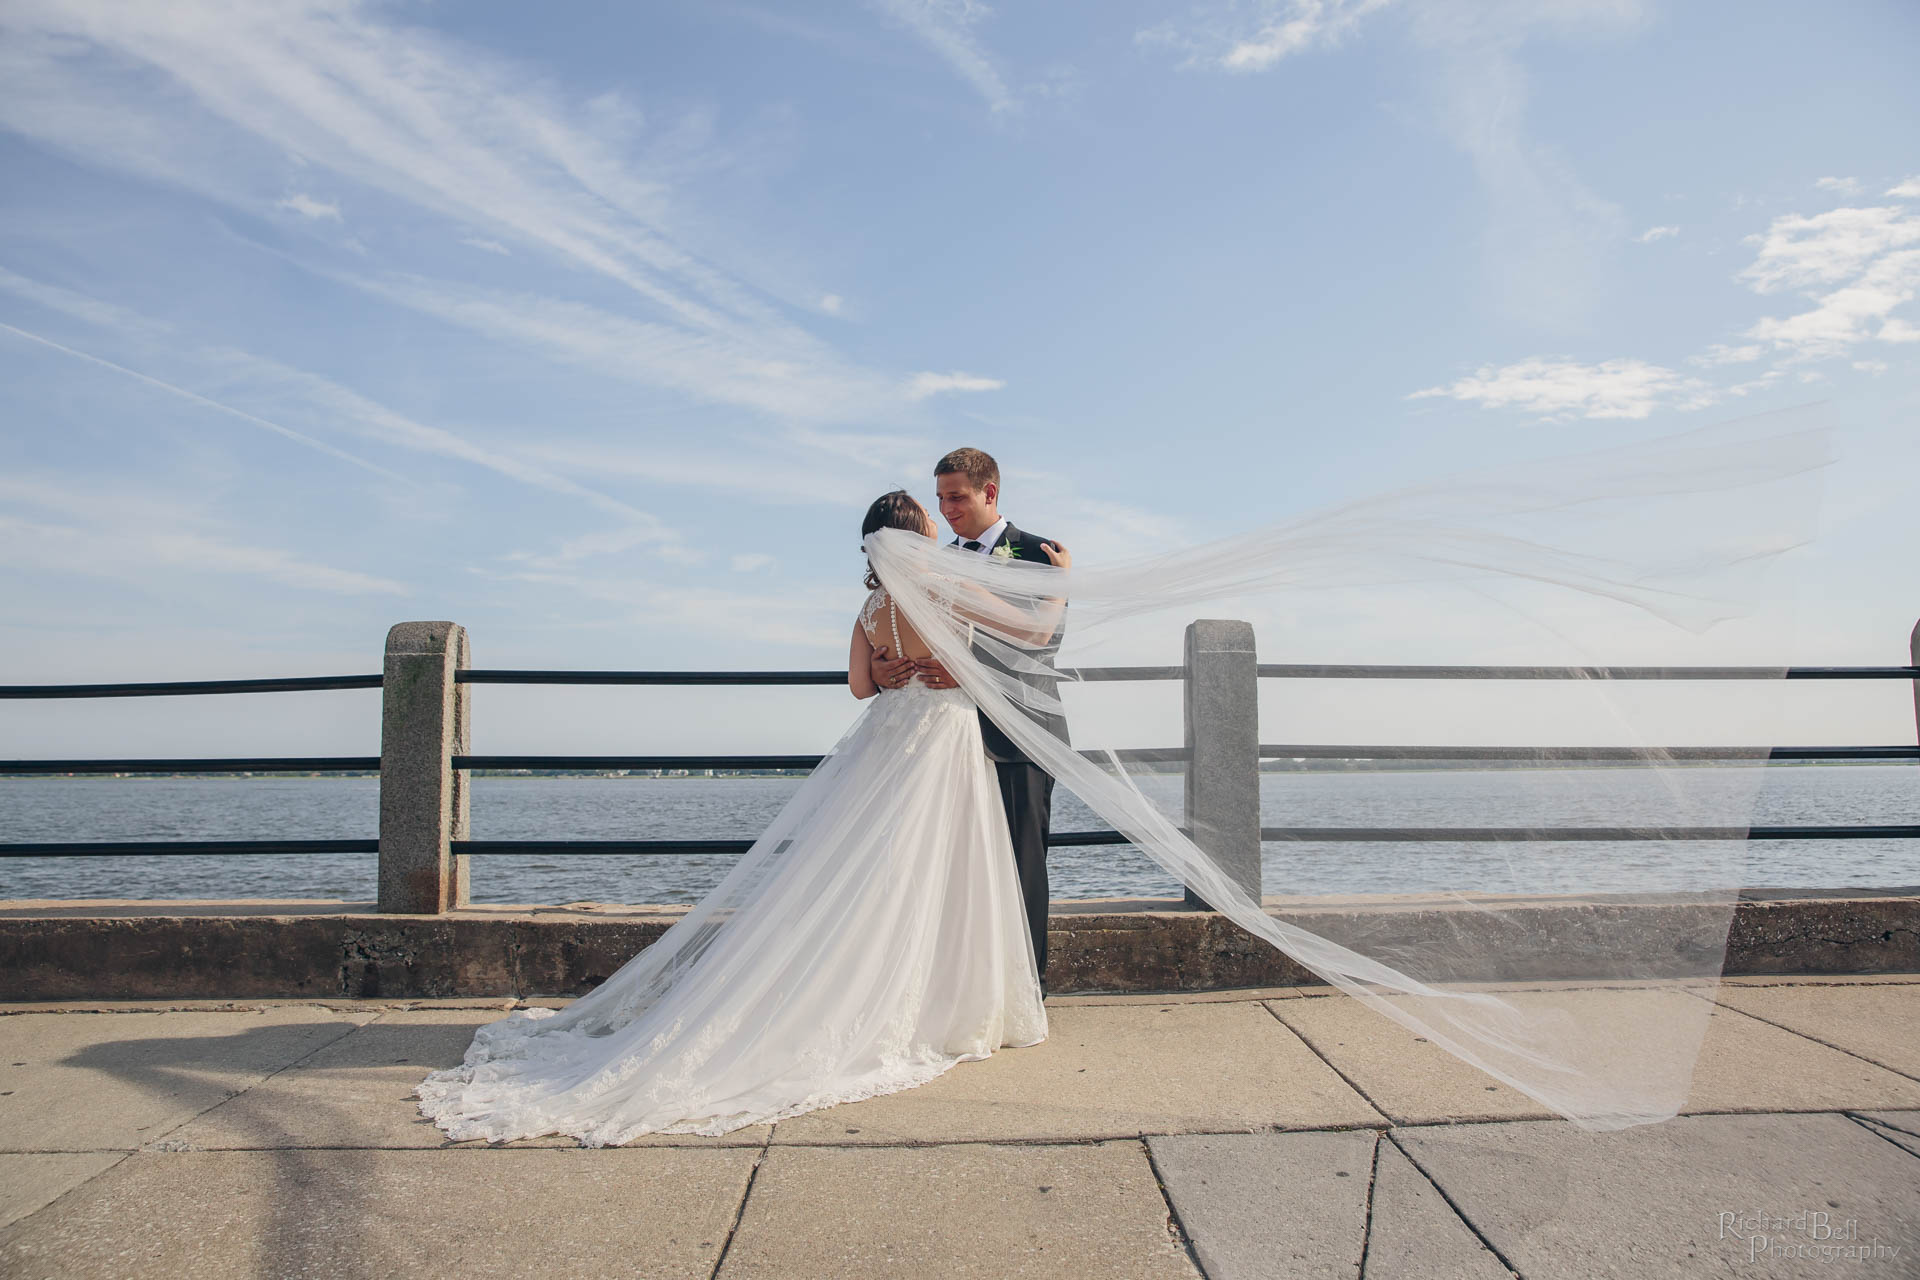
<point x="1000" y="748"/>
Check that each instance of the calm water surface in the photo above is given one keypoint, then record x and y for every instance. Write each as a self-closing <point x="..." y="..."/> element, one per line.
<point x="723" y="808"/>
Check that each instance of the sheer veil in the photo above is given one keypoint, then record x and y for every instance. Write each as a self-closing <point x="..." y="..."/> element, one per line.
<point x="1579" y="971"/>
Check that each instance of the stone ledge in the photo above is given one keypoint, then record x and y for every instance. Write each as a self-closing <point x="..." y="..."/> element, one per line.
<point x="241" y="950"/>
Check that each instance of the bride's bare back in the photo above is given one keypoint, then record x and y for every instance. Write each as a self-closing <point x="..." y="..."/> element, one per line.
<point x="886" y="629"/>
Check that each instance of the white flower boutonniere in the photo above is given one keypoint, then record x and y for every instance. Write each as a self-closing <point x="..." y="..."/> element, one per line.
<point x="1004" y="551"/>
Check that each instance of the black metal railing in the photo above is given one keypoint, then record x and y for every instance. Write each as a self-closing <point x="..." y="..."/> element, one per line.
<point x="315" y="764"/>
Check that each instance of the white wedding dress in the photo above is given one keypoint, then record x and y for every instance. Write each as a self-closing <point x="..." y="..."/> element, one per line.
<point x="871" y="939"/>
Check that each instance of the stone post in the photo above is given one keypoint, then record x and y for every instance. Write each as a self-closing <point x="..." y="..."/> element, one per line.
<point x="1223" y="737"/>
<point x="424" y="803"/>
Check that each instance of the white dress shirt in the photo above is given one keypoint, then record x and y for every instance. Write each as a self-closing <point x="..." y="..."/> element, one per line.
<point x="988" y="537"/>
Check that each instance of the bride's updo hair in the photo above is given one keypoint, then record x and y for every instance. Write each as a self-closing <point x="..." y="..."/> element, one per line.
<point x="896" y="510"/>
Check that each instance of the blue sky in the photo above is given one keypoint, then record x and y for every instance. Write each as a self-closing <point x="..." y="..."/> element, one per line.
<point x="594" y="327"/>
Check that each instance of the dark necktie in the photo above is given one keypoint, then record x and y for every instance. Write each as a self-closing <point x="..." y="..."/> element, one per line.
<point x="971" y="545"/>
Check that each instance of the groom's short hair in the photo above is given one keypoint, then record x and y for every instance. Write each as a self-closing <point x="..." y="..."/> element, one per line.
<point x="975" y="464"/>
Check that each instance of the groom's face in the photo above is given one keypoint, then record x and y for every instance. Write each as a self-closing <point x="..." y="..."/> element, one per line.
<point x="968" y="511"/>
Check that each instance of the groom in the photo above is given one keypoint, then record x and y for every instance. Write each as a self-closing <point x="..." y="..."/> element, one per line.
<point x="968" y="484"/>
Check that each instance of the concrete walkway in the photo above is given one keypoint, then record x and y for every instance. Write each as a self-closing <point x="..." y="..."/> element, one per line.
<point x="1284" y="1132"/>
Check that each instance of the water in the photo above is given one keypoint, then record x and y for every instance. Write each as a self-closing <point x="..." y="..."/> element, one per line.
<point x="727" y="808"/>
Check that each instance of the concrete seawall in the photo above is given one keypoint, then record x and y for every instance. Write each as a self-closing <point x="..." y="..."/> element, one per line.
<point x="244" y="949"/>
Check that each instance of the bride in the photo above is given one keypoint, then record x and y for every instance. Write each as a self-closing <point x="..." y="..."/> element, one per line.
<point x="874" y="935"/>
<point x="872" y="938"/>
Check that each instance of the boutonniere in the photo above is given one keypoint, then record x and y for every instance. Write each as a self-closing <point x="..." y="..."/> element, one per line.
<point x="1005" y="551"/>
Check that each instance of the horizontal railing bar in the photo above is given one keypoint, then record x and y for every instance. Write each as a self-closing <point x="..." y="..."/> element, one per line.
<point x="1298" y="671"/>
<point x="490" y="676"/>
<point x="1093" y="674"/>
<point x="1134" y="755"/>
<point x="637" y="762"/>
<point x="1142" y="755"/>
<point x="1299" y="751"/>
<point x="650" y="847"/>
<point x="1422" y="835"/>
<point x="222" y="764"/>
<point x="1059" y="839"/>
<point x="1446" y="835"/>
<point x="179" y="848"/>
<point x="166" y="688"/>
<point x="1379" y="671"/>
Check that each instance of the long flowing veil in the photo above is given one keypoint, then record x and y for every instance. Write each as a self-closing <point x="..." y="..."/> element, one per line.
<point x="1578" y="970"/>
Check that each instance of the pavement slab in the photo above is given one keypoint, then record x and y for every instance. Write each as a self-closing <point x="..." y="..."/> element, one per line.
<point x="1259" y="1205"/>
<point x="1112" y="1071"/>
<point x="1696" y="1195"/>
<point x="661" y="1212"/>
<point x="31" y="1182"/>
<point x="1874" y="1021"/>
<point x="1744" y="1064"/>
<point x="358" y="1092"/>
<point x="1413" y="1233"/>
<point x="999" y="1212"/>
<point x="88" y="1082"/>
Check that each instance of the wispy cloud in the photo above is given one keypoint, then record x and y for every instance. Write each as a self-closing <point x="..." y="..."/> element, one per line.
<point x="1907" y="190"/>
<point x="1656" y="233"/>
<point x="216" y="96"/>
<point x="206" y="402"/>
<point x="922" y="385"/>
<point x="1840" y="186"/>
<point x="127" y="538"/>
<point x="1549" y="234"/>
<point x="295" y="391"/>
<point x="1562" y="389"/>
<point x="1258" y="36"/>
<point x="947" y="27"/>
<point x="308" y="207"/>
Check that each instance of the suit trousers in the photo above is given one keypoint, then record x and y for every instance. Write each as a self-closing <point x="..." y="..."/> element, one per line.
<point x="1027" y="792"/>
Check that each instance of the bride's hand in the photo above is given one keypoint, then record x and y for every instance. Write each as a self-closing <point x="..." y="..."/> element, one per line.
<point x="1058" y="553"/>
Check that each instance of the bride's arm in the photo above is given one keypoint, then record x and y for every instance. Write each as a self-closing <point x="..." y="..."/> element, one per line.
<point x="859" y="664"/>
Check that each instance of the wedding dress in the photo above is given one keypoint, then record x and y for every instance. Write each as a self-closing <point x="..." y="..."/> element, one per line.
<point x="871" y="938"/>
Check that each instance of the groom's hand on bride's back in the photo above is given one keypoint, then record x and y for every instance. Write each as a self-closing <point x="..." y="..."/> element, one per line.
<point x="889" y="672"/>
<point x="934" y="674"/>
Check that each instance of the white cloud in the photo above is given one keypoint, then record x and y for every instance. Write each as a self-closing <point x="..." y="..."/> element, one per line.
<point x="749" y="562"/>
<point x="832" y="304"/>
<point x="1873" y="256"/>
<point x="308" y="207"/>
<point x="1871" y="366"/>
<point x="922" y="385"/>
<point x="1800" y="252"/>
<point x="486" y="246"/>
<point x="1656" y="233"/>
<point x="1898" y="330"/>
<point x="1720" y="353"/>
<point x="1259" y="36"/>
<point x="1561" y="389"/>
<point x="1841" y="186"/>
<point x="1907" y="190"/>
<point x="946" y="27"/>
<point x="127" y="538"/>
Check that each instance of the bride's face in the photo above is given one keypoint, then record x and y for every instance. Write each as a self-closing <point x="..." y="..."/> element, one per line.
<point x="926" y="520"/>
